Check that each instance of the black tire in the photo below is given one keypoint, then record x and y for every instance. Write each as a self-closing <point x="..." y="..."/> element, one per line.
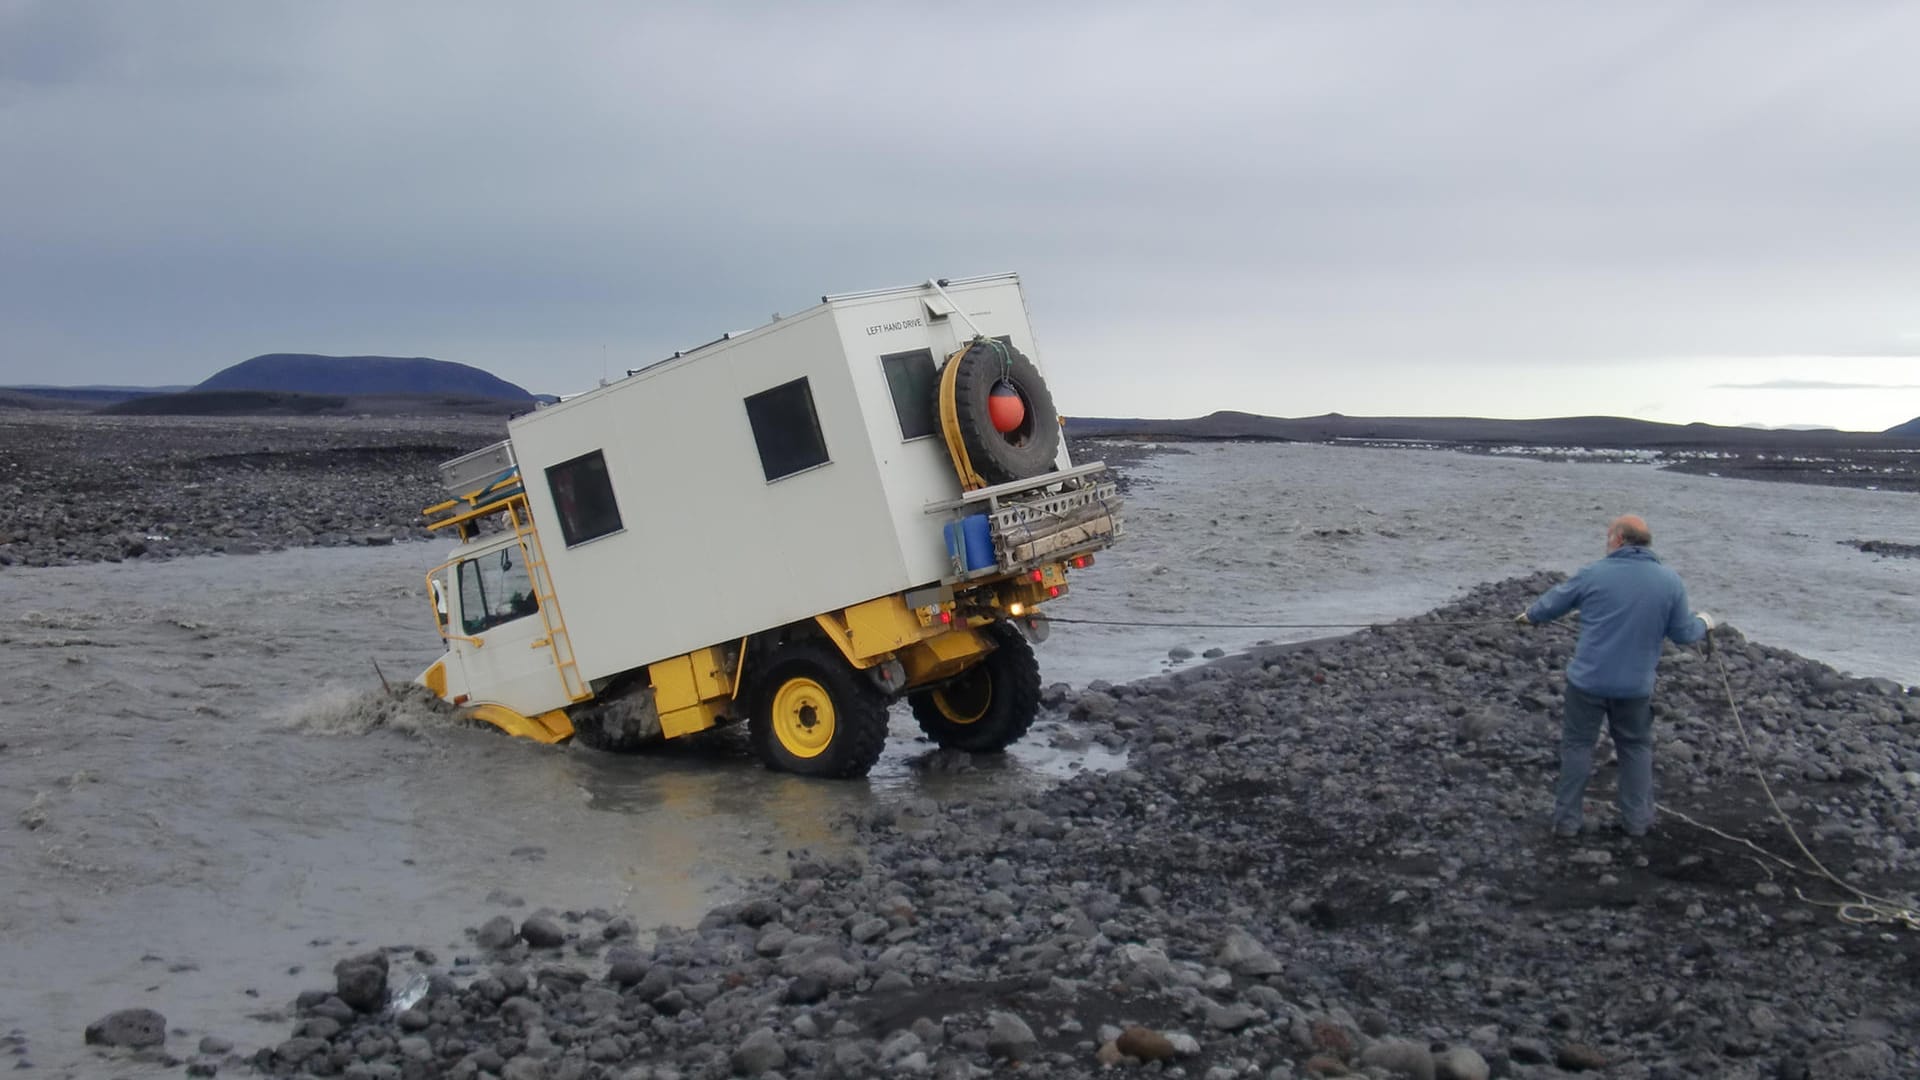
<point x="990" y="706"/>
<point x="808" y="684"/>
<point x="1028" y="450"/>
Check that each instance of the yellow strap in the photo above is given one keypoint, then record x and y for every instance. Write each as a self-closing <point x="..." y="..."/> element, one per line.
<point x="950" y="423"/>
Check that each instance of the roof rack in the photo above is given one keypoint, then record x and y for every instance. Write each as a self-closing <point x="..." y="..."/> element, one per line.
<point x="490" y="498"/>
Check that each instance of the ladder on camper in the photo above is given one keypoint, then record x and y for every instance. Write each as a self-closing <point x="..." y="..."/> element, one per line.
<point x="549" y="604"/>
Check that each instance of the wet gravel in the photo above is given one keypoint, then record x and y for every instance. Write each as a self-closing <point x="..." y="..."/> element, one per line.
<point x="1321" y="860"/>
<point x="84" y="488"/>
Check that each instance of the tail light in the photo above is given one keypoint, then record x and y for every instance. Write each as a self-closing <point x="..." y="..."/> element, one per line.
<point x="1039" y="576"/>
<point x="1081" y="562"/>
<point x="1053" y="590"/>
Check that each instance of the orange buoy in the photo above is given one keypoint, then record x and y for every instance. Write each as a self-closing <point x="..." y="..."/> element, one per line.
<point x="1005" y="408"/>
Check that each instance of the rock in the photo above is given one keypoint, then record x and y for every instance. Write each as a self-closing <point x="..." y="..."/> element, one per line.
<point x="1109" y="1055"/>
<point x="1399" y="1057"/>
<point x="1145" y="1044"/>
<point x="297" y="1050"/>
<point x="1242" y="954"/>
<point x="759" y="1053"/>
<point x="361" y="981"/>
<point x="805" y="990"/>
<point x="1232" y="1017"/>
<point x="1529" y="1051"/>
<point x="1460" y="1063"/>
<point x="496" y="933"/>
<point x="133" y="1028"/>
<point x="1862" y="1060"/>
<point x="1578" y="1057"/>
<point x="625" y="966"/>
<point x="1009" y="1037"/>
<point x="542" y="933"/>
<point x="215" y="1045"/>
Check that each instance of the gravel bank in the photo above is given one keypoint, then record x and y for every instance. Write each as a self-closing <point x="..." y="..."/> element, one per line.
<point x="87" y="488"/>
<point x="1329" y="860"/>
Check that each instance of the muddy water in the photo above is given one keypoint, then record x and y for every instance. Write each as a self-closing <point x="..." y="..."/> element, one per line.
<point x="204" y="806"/>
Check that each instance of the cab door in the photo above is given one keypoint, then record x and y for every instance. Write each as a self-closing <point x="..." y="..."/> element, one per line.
<point x="505" y="650"/>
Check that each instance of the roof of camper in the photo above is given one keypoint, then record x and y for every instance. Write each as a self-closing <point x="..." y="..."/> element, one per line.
<point x="826" y="301"/>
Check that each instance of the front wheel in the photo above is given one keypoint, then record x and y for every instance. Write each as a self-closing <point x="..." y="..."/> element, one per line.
<point x="990" y="705"/>
<point x="814" y="715"/>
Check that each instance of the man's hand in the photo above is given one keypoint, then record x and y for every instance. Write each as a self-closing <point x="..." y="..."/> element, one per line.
<point x="1706" y="618"/>
<point x="1522" y="619"/>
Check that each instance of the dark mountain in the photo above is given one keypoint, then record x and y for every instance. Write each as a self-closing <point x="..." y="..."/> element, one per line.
<point x="1910" y="429"/>
<point x="306" y="373"/>
<point x="1591" y="431"/>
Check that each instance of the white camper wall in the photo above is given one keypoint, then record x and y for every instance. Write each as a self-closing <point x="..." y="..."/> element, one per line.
<point x="710" y="549"/>
<point x="920" y="471"/>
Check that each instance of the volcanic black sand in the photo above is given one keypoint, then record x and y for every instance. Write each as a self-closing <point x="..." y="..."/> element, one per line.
<point x="1322" y="860"/>
<point x="76" y="487"/>
<point x="1326" y="860"/>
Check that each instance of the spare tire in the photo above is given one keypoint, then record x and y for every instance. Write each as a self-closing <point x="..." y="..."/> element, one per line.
<point x="1031" y="448"/>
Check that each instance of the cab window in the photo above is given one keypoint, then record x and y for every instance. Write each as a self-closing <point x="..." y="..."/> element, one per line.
<point x="494" y="588"/>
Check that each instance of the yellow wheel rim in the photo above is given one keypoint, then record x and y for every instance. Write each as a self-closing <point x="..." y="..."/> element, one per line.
<point x="803" y="717"/>
<point x="967" y="699"/>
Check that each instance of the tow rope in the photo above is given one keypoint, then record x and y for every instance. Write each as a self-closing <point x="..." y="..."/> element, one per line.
<point x="1865" y="909"/>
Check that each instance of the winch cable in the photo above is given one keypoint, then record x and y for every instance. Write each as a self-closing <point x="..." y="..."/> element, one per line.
<point x="1865" y="908"/>
<point x="1403" y="625"/>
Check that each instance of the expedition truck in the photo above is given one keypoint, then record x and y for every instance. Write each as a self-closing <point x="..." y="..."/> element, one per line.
<point x="791" y="527"/>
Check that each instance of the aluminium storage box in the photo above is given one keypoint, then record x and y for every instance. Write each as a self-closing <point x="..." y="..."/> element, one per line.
<point x="720" y="530"/>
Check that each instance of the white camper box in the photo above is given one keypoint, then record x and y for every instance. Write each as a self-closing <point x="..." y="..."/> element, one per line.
<point x="709" y="548"/>
<point x="759" y="530"/>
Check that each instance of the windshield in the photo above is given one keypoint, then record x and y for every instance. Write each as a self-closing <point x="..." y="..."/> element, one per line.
<point x="494" y="588"/>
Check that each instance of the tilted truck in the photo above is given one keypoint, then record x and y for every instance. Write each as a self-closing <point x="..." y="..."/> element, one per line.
<point x="791" y="527"/>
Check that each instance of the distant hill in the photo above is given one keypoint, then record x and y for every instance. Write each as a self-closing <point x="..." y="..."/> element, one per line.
<point x="1910" y="429"/>
<point x="1590" y="431"/>
<point x="307" y="373"/>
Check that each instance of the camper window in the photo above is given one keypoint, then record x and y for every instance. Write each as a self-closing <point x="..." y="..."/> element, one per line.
<point x="910" y="377"/>
<point x="494" y="588"/>
<point x="583" y="495"/>
<point x="786" y="429"/>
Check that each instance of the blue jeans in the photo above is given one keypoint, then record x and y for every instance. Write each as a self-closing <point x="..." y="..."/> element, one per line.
<point x="1630" y="722"/>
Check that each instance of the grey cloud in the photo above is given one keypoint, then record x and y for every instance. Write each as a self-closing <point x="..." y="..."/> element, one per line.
<point x="1814" y="384"/>
<point x="1504" y="186"/>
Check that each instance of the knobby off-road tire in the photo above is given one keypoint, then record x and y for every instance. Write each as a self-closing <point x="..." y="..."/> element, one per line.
<point x="1026" y="451"/>
<point x="991" y="705"/>
<point x="813" y="714"/>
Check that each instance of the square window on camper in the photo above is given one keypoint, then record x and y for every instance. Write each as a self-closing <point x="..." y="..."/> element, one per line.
<point x="910" y="377"/>
<point x="583" y="495"/>
<point x="786" y="429"/>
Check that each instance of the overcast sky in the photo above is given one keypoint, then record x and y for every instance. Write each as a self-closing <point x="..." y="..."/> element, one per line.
<point x="1668" y="210"/>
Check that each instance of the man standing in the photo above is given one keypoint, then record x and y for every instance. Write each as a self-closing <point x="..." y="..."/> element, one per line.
<point x="1629" y="604"/>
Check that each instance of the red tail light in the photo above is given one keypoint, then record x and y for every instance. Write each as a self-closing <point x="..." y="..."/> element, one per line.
<point x="1053" y="590"/>
<point x="1081" y="562"/>
<point x="946" y="616"/>
<point x="1039" y="575"/>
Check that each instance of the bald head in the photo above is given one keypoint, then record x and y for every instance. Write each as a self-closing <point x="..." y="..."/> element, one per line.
<point x="1628" y="530"/>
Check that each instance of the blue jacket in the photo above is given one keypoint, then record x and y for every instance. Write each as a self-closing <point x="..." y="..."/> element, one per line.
<point x="1629" y="602"/>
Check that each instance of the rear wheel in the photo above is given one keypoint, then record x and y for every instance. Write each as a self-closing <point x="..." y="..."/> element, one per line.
<point x="814" y="715"/>
<point x="987" y="708"/>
